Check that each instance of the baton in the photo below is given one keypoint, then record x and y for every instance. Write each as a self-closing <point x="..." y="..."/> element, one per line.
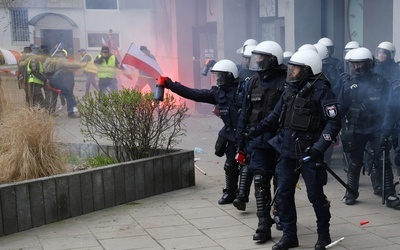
<point x="274" y="198"/>
<point x="334" y="243"/>
<point x="307" y="158"/>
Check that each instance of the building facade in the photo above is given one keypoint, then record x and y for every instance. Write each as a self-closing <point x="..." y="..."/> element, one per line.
<point x="182" y="34"/>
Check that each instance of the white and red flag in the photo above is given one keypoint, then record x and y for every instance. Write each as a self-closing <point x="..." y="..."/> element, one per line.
<point x="136" y="58"/>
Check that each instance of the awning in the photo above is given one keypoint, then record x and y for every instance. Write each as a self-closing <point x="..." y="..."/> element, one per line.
<point x="37" y="18"/>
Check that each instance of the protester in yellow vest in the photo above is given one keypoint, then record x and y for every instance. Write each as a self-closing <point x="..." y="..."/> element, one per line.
<point x="89" y="70"/>
<point x="36" y="82"/>
<point x="107" y="65"/>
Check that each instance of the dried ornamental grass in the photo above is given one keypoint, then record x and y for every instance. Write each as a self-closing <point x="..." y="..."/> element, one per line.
<point x="27" y="148"/>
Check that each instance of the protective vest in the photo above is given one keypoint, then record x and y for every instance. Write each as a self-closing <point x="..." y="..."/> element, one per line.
<point x="362" y="109"/>
<point x="299" y="113"/>
<point x="229" y="104"/>
<point x="89" y="66"/>
<point x="31" y="77"/>
<point x="107" y="69"/>
<point x="261" y="101"/>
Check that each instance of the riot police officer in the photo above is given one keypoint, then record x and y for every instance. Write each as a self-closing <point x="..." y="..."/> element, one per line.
<point x="391" y="122"/>
<point x="286" y="57"/>
<point x="244" y="71"/>
<point x="263" y="91"/>
<point x="228" y="98"/>
<point x="307" y="119"/>
<point x="385" y="65"/>
<point x="362" y="99"/>
<point x="330" y="63"/>
<point x="341" y="65"/>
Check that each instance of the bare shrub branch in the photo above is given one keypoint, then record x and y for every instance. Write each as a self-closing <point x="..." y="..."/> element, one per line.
<point x="137" y="126"/>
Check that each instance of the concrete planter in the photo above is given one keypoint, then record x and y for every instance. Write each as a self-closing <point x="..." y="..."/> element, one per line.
<point x="37" y="202"/>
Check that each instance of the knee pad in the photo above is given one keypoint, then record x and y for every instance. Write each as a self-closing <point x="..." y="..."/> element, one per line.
<point x="231" y="167"/>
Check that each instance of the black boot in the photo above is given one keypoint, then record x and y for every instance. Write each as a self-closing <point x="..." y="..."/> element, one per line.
<point x="353" y="177"/>
<point x="263" y="199"/>
<point x="231" y="179"/>
<point x="392" y="201"/>
<point x="322" y="242"/>
<point x="286" y="242"/>
<point x="242" y="196"/>
<point x="376" y="178"/>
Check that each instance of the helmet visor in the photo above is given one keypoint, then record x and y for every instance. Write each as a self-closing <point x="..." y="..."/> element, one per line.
<point x="261" y="62"/>
<point x="219" y="78"/>
<point x="296" y="73"/>
<point x="359" y="68"/>
<point x="382" y="54"/>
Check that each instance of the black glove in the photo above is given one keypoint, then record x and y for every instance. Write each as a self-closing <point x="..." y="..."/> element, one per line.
<point x="315" y="155"/>
<point x="168" y="82"/>
<point x="384" y="142"/>
<point x="248" y="134"/>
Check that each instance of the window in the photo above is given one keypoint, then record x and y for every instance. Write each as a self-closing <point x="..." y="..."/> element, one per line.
<point x="137" y="4"/>
<point x="97" y="39"/>
<point x="19" y="25"/>
<point x="101" y="4"/>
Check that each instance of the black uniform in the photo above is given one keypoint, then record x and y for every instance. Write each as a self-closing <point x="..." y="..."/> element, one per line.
<point x="228" y="100"/>
<point x="307" y="120"/>
<point x="362" y="100"/>
<point x="391" y="122"/>
<point x="262" y="93"/>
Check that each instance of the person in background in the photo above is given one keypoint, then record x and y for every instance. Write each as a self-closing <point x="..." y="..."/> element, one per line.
<point x="107" y="65"/>
<point x="362" y="101"/>
<point x="36" y="81"/>
<point x="22" y="73"/>
<point x="349" y="46"/>
<point x="245" y="72"/>
<point x="144" y="78"/>
<point x="89" y="70"/>
<point x="385" y="64"/>
<point x="286" y="57"/>
<point x="62" y="78"/>
<point x="391" y="123"/>
<point x="69" y="80"/>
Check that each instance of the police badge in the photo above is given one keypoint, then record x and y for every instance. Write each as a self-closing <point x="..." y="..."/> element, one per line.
<point x="331" y="111"/>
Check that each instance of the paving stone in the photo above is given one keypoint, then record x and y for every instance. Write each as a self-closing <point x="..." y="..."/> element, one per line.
<point x="137" y="242"/>
<point x="191" y="242"/>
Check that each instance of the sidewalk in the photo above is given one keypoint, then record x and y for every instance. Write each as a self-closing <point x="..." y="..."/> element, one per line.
<point x="192" y="219"/>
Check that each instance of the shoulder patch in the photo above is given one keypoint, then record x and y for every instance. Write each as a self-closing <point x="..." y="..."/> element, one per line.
<point x="331" y="111"/>
<point x="327" y="137"/>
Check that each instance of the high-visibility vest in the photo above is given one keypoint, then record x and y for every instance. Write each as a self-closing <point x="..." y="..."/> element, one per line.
<point x="31" y="77"/>
<point x="107" y="69"/>
<point x="89" y="65"/>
